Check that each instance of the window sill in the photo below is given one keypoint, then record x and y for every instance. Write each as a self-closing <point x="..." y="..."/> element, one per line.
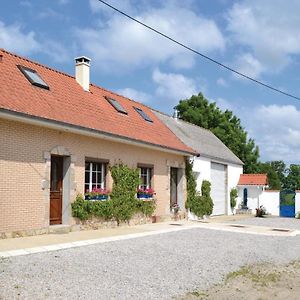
<point x="146" y="199"/>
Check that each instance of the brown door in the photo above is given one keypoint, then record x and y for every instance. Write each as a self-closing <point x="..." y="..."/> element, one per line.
<point x="173" y="187"/>
<point x="56" y="190"/>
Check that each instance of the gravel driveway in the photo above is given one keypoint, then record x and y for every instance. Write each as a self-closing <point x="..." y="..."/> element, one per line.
<point x="156" y="267"/>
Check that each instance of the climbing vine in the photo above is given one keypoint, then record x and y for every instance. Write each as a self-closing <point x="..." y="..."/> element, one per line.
<point x="191" y="185"/>
<point x="122" y="204"/>
<point x="125" y="184"/>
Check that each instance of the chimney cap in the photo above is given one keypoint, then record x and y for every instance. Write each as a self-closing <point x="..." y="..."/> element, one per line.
<point x="82" y="59"/>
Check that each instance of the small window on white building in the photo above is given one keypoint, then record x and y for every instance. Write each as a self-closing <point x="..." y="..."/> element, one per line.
<point x="95" y="174"/>
<point x="145" y="175"/>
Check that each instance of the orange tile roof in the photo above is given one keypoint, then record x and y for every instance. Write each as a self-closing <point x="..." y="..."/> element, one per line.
<point x="67" y="102"/>
<point x="253" y="179"/>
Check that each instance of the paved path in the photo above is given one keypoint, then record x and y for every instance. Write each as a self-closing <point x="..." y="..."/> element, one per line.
<point x="54" y="242"/>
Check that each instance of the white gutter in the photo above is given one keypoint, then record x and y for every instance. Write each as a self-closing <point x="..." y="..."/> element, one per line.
<point x="57" y="125"/>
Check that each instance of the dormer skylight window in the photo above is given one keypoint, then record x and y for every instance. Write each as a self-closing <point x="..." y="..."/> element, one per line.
<point x="143" y="114"/>
<point x="117" y="106"/>
<point x="33" y="77"/>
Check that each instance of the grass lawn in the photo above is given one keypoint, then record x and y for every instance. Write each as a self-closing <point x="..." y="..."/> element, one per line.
<point x="264" y="281"/>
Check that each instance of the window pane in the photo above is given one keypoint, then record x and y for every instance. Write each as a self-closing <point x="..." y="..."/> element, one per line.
<point x="143" y="114"/>
<point x="87" y="177"/>
<point x="94" y="177"/>
<point x="33" y="77"/>
<point x="145" y="176"/>
<point x="97" y="180"/>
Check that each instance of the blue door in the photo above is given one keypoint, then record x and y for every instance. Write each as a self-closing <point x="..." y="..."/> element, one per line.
<point x="287" y="203"/>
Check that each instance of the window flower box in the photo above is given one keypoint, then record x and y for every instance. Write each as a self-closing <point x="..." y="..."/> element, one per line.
<point x="97" y="194"/>
<point x="145" y="194"/>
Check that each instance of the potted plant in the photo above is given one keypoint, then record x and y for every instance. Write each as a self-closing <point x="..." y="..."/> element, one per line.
<point x="175" y="208"/>
<point x="261" y="211"/>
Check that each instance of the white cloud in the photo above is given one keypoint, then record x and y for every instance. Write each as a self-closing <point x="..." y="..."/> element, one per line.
<point x="174" y="87"/>
<point x="276" y="129"/>
<point x="118" y="43"/>
<point x="51" y="13"/>
<point x="267" y="29"/>
<point x="124" y="5"/>
<point x="224" y="104"/>
<point x="222" y="82"/>
<point x="135" y="95"/>
<point x="12" y="38"/>
<point x="249" y="65"/>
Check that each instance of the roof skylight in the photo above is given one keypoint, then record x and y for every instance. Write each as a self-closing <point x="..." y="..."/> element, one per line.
<point x="33" y="77"/>
<point x="117" y="106"/>
<point x="143" y="114"/>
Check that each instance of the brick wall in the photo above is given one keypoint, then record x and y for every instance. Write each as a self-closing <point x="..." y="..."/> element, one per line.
<point x="24" y="200"/>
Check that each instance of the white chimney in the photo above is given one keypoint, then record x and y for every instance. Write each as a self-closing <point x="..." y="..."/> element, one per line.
<point x="82" y="72"/>
<point x="175" y="114"/>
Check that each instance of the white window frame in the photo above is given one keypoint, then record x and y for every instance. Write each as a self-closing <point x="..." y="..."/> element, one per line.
<point x="148" y="177"/>
<point x="91" y="183"/>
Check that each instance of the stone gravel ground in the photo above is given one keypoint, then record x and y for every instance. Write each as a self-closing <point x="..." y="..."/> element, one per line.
<point x="157" y="267"/>
<point x="274" y="222"/>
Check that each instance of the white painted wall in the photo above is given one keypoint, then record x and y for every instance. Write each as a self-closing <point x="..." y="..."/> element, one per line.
<point x="233" y="173"/>
<point x="202" y="170"/>
<point x="297" y="202"/>
<point x="271" y="201"/>
<point x="254" y="192"/>
<point x="257" y="197"/>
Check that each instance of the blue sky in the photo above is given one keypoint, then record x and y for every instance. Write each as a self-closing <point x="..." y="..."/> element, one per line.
<point x="259" y="38"/>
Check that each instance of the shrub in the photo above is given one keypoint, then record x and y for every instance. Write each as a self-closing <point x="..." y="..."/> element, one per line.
<point x="125" y="183"/>
<point x="203" y="204"/>
<point x="147" y="208"/>
<point x="191" y="186"/>
<point x="233" y="197"/>
<point x="298" y="215"/>
<point x="206" y="200"/>
<point x="81" y="208"/>
<point x="102" y="209"/>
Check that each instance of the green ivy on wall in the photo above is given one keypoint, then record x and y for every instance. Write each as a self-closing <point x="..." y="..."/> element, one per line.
<point x="198" y="204"/>
<point x="122" y="204"/>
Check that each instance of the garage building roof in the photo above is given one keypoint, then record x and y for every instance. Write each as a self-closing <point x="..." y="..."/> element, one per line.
<point x="200" y="139"/>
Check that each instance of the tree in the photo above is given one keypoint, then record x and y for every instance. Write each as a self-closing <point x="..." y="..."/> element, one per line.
<point x="276" y="171"/>
<point x="273" y="177"/>
<point x="224" y="124"/>
<point x="292" y="181"/>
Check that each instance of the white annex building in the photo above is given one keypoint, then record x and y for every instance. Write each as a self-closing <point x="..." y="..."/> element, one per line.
<point x="216" y="162"/>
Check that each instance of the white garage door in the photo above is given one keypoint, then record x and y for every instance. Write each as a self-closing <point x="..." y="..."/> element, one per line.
<point x="218" y="188"/>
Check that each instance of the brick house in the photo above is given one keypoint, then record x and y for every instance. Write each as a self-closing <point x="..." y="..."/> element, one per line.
<point x="60" y="133"/>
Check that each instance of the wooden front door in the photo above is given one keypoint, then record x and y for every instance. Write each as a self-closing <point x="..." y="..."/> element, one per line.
<point x="173" y="187"/>
<point x="56" y="184"/>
